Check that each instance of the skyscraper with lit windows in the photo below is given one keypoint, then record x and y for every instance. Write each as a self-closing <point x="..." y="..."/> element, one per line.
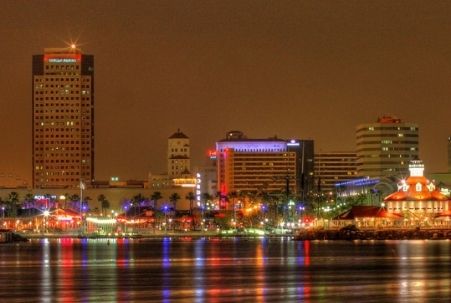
<point x="62" y="118"/>
<point x="386" y="147"/>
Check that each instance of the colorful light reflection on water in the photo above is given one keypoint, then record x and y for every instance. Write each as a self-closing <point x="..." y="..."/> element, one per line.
<point x="224" y="270"/>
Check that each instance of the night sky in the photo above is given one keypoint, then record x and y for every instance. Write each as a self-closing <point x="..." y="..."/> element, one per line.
<point x="304" y="69"/>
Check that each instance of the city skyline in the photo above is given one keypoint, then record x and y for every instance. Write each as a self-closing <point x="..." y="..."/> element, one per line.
<point x="296" y="70"/>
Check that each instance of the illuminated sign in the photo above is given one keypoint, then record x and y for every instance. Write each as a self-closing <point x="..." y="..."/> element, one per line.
<point x="62" y="60"/>
<point x="212" y="154"/>
<point x="252" y="146"/>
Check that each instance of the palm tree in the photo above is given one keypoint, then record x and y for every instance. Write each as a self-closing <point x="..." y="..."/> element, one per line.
<point x="191" y="197"/>
<point x="86" y="202"/>
<point x="29" y="199"/>
<point x="136" y="201"/>
<point x="206" y="197"/>
<point x="104" y="203"/>
<point x="174" y="198"/>
<point x="13" y="199"/>
<point x="155" y="197"/>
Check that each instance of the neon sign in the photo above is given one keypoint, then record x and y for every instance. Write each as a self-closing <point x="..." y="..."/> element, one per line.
<point x="62" y="60"/>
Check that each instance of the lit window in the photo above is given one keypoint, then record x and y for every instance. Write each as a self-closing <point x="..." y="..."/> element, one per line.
<point x="418" y="187"/>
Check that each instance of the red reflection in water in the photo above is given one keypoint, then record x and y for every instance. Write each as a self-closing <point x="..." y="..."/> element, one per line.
<point x="307" y="289"/>
<point x="307" y="253"/>
<point x="66" y="269"/>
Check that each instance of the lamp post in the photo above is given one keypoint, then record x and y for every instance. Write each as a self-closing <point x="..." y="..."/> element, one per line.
<point x="46" y="216"/>
<point x="82" y="187"/>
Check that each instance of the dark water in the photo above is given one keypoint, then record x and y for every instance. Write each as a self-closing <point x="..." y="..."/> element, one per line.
<point x="225" y="270"/>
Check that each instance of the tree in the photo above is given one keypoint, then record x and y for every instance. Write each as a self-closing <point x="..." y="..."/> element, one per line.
<point x="191" y="197"/>
<point x="104" y="203"/>
<point x="136" y="202"/>
<point x="205" y="198"/>
<point x="155" y="197"/>
<point x="29" y="200"/>
<point x="174" y="198"/>
<point x="13" y="199"/>
<point x="86" y="202"/>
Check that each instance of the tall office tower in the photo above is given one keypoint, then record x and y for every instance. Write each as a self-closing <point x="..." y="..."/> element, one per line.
<point x="270" y="165"/>
<point x="449" y="154"/>
<point x="333" y="167"/>
<point x="385" y="148"/>
<point x="178" y="155"/>
<point x="63" y="118"/>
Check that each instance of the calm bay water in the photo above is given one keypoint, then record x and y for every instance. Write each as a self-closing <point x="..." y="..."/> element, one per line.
<point x="225" y="270"/>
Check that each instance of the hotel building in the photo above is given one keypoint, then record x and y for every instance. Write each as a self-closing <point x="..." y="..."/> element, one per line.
<point x="385" y="148"/>
<point x="62" y="118"/>
<point x="334" y="167"/>
<point x="270" y="165"/>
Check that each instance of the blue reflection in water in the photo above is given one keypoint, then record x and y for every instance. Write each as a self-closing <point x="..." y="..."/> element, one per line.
<point x="199" y="255"/>
<point x="166" y="263"/>
<point x="46" y="273"/>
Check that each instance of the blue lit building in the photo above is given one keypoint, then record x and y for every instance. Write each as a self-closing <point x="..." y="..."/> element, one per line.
<point x="271" y="165"/>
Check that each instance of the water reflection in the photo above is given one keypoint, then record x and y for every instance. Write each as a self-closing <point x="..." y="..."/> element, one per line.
<point x="219" y="270"/>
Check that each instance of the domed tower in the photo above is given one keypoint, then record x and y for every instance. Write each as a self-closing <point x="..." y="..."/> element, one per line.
<point x="179" y="162"/>
<point x="417" y="194"/>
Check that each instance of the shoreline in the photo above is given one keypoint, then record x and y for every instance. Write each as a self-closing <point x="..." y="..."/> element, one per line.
<point x="388" y="234"/>
<point x="304" y="235"/>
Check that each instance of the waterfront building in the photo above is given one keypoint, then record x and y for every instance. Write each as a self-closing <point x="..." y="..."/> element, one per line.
<point x="179" y="162"/>
<point x="62" y="118"/>
<point x="334" y="167"/>
<point x="385" y="148"/>
<point x="269" y="165"/>
<point x="417" y="196"/>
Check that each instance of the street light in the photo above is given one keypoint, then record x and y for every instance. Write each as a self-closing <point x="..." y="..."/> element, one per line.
<point x="46" y="214"/>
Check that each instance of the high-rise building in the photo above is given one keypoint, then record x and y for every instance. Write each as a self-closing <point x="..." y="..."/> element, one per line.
<point x="449" y="154"/>
<point x="270" y="165"/>
<point x="333" y="167"/>
<point x="385" y="148"/>
<point x="63" y="118"/>
<point x="178" y="155"/>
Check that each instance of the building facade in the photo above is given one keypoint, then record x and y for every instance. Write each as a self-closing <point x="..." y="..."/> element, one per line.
<point x="385" y="147"/>
<point x="179" y="162"/>
<point x="334" y="167"/>
<point x="269" y="165"/>
<point x="62" y="118"/>
<point x="417" y="196"/>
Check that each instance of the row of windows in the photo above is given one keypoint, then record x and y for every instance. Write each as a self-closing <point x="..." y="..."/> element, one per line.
<point x="181" y="150"/>
<point x="387" y="128"/>
<point x="59" y="180"/>
<point x="60" y="148"/>
<point x="62" y="105"/>
<point x="58" y="161"/>
<point x="39" y="155"/>
<point x="387" y="149"/>
<point x="388" y="135"/>
<point x="62" y="66"/>
<point x="57" y="111"/>
<point x="57" y="167"/>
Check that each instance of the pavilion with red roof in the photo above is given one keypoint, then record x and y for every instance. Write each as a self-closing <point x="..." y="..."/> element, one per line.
<point x="418" y="196"/>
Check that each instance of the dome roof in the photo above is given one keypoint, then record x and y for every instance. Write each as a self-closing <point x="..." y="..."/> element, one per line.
<point x="416" y="187"/>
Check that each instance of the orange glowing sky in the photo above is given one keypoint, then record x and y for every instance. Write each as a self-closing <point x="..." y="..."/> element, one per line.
<point x="306" y="69"/>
